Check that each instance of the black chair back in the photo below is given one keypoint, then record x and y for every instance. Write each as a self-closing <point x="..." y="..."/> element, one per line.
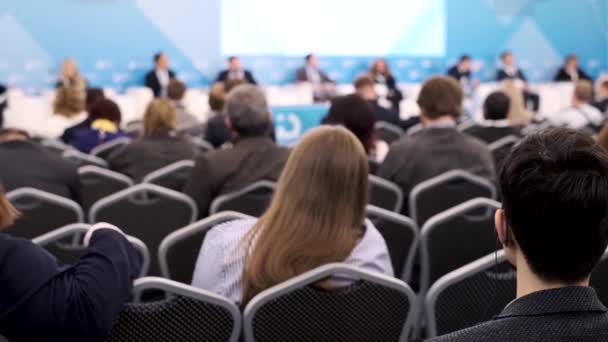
<point x="253" y="200"/>
<point x="98" y="183"/>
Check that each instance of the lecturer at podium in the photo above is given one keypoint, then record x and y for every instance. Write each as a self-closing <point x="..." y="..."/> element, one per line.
<point x="236" y="73"/>
<point x="324" y="88"/>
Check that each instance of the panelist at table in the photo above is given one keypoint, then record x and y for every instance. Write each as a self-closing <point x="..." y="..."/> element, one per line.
<point x="571" y="72"/>
<point x="324" y="88"/>
<point x="510" y="71"/>
<point x="159" y="78"/>
<point x="235" y="72"/>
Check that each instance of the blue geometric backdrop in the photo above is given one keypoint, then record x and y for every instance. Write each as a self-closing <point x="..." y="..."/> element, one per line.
<point x="113" y="40"/>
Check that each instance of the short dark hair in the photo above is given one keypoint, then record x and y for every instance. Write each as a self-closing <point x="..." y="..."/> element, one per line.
<point x="496" y="106"/>
<point x="356" y="115"/>
<point x="176" y="90"/>
<point x="505" y="54"/>
<point x="92" y="96"/>
<point x="231" y="58"/>
<point x="440" y="96"/>
<point x="157" y="56"/>
<point x="570" y="57"/>
<point x="364" y="81"/>
<point x="217" y="97"/>
<point x="464" y="58"/>
<point x="309" y="56"/>
<point x="555" y="196"/>
<point x="604" y="84"/>
<point x="105" y="109"/>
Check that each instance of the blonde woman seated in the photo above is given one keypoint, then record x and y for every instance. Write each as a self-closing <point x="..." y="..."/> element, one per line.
<point x="68" y="110"/>
<point x="317" y="216"/>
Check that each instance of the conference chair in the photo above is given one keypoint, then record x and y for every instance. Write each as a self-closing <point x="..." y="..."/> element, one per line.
<point x="71" y="254"/>
<point x="465" y="125"/>
<point x="98" y="183"/>
<point x="251" y="200"/>
<point x="414" y="129"/>
<point x="187" y="314"/>
<point x="83" y="159"/>
<point x="385" y="194"/>
<point x="456" y="237"/>
<point x="388" y="132"/>
<point x="373" y="307"/>
<point x="469" y="295"/>
<point x="599" y="278"/>
<point x="106" y="149"/>
<point x="173" y="176"/>
<point x="204" y="146"/>
<point x="401" y="236"/>
<point x="55" y="146"/>
<point x="148" y="212"/>
<point x="502" y="147"/>
<point x="374" y="165"/>
<point x="446" y="191"/>
<point x="178" y="251"/>
<point x="41" y="212"/>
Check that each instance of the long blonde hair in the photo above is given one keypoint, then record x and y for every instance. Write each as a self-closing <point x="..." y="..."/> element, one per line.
<point x="316" y="215"/>
<point x="69" y="101"/>
<point x="160" y="116"/>
<point x="518" y="114"/>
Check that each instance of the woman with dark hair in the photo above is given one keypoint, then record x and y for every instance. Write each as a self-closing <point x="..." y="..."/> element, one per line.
<point x="356" y="115"/>
<point x="381" y="73"/>
<point x="104" y="125"/>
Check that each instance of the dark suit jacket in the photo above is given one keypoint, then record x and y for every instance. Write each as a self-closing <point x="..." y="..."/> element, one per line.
<point x="222" y="171"/>
<point x="394" y="94"/>
<point x="223" y="76"/>
<point x="384" y="114"/>
<point x="457" y="75"/>
<point x="68" y="134"/>
<point x="152" y="82"/>
<point x="566" y="314"/>
<point x="148" y="154"/>
<point x="302" y="76"/>
<point x="431" y="152"/>
<point x="44" y="300"/>
<point x="563" y="76"/>
<point x="502" y="75"/>
<point x="489" y="134"/>
<point x="3" y="103"/>
<point x="32" y="165"/>
<point x="602" y="105"/>
<point x="216" y="131"/>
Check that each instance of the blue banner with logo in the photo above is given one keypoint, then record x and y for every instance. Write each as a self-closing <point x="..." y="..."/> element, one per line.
<point x="292" y="122"/>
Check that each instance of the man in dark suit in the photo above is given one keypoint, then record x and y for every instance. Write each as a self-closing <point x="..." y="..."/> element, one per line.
<point x="323" y="86"/>
<point x="510" y="72"/>
<point x="571" y="72"/>
<point x="495" y="125"/>
<point x="159" y="78"/>
<point x="553" y="228"/>
<point x="235" y="72"/>
<point x="3" y="103"/>
<point x="32" y="165"/>
<point x="253" y="157"/>
<point x="461" y="72"/>
<point x="439" y="147"/>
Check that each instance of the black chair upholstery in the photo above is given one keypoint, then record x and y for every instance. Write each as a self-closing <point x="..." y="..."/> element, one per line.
<point x="98" y="183"/>
<point x="107" y="149"/>
<point x="373" y="308"/>
<point x="446" y="191"/>
<point x="82" y="159"/>
<point x="599" y="278"/>
<point x="385" y="194"/>
<point x="388" y="132"/>
<point x="501" y="148"/>
<point x="253" y="200"/>
<point x="187" y="314"/>
<point x="148" y="212"/>
<point x="172" y="176"/>
<point x="470" y="295"/>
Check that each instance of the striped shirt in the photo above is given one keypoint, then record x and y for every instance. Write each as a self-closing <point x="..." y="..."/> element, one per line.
<point x="219" y="267"/>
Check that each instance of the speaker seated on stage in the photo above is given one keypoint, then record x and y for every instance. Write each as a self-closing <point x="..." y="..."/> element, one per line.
<point x="510" y="71"/>
<point x="158" y="79"/>
<point x="324" y="88"/>
<point x="235" y="72"/>
<point x="571" y="72"/>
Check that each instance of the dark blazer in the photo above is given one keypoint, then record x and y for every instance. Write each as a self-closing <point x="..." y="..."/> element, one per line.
<point x="44" y="300"/>
<point x="489" y="134"/>
<point x="602" y="105"/>
<point x="384" y="114"/>
<point x="222" y="171"/>
<point x="431" y="152"/>
<point x="3" y="104"/>
<point x="455" y="73"/>
<point x="32" y="165"/>
<point x="394" y="94"/>
<point x="248" y="76"/>
<point x="302" y="76"/>
<point x="148" y="154"/>
<point x="68" y="134"/>
<point x="502" y="75"/>
<point x="563" y="76"/>
<point x="216" y="131"/>
<point x="152" y="82"/>
<point x="565" y="314"/>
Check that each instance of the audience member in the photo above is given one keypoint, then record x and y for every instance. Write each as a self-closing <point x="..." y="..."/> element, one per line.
<point x="323" y="86"/>
<point x="601" y="97"/>
<point x="381" y="74"/>
<point x="3" y="103"/>
<point x="571" y="72"/>
<point x="69" y="109"/>
<point x="175" y="93"/>
<point x="518" y="114"/>
<point x="44" y="300"/>
<point x="355" y="114"/>
<point x="495" y="125"/>
<point x="235" y="72"/>
<point x="253" y="157"/>
<point x="216" y="130"/>
<point x="159" y="147"/>
<point x="70" y="76"/>
<point x="553" y="230"/>
<point x="159" y="78"/>
<point x="32" y="165"/>
<point x="439" y="147"/>
<point x="365" y="87"/>
<point x="316" y="217"/>
<point x="91" y="97"/>
<point x="581" y="114"/>
<point x="510" y="71"/>
<point x="104" y="125"/>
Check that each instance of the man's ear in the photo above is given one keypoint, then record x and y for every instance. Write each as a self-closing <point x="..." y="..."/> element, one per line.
<point x="501" y="226"/>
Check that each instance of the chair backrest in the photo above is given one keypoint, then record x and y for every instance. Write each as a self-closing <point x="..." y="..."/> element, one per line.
<point x="251" y="200"/>
<point x="148" y="212"/>
<point x="385" y="194"/>
<point x="446" y="191"/>
<point x="71" y="254"/>
<point x="502" y="147"/>
<point x="178" y="251"/>
<point x="108" y="148"/>
<point x="401" y="236"/>
<point x="373" y="307"/>
<point x="374" y="165"/>
<point x="599" y="278"/>
<point x="388" y="132"/>
<point x="173" y="176"/>
<point x="83" y="159"/>
<point x="203" y="145"/>
<point x="41" y="212"/>
<point x="469" y="295"/>
<point x="55" y="146"/>
<point x="98" y="183"/>
<point x="188" y="314"/>
<point x="457" y="237"/>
